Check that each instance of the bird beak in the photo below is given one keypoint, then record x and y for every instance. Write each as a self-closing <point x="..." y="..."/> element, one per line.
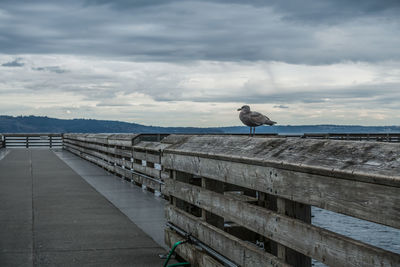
<point x="239" y="109"/>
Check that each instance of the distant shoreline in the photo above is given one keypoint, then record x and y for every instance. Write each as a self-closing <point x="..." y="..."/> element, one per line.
<point x="35" y="124"/>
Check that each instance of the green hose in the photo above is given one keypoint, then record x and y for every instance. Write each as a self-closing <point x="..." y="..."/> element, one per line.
<point x="170" y="254"/>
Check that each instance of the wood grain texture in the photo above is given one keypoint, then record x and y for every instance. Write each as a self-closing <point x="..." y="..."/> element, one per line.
<point x="325" y="246"/>
<point x="372" y="162"/>
<point x="239" y="251"/>
<point x="189" y="252"/>
<point x="147" y="157"/>
<point x="150" y="146"/>
<point x="373" y="202"/>
<point x="147" y="170"/>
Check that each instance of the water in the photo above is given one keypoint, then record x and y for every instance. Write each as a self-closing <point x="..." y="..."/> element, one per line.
<point x="371" y="233"/>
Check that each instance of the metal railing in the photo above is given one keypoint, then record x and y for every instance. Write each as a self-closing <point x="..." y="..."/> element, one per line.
<point x="379" y="137"/>
<point x="44" y="140"/>
<point x="1" y="141"/>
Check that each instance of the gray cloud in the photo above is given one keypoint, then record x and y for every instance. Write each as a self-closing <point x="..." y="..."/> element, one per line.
<point x="55" y="69"/>
<point x="113" y="104"/>
<point x="15" y="63"/>
<point x="310" y="32"/>
<point x="377" y="94"/>
<point x="281" y="106"/>
<point x="304" y="10"/>
<point x="124" y="57"/>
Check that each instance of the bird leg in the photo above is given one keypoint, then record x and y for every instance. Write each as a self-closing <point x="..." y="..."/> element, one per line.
<point x="250" y="131"/>
<point x="254" y="131"/>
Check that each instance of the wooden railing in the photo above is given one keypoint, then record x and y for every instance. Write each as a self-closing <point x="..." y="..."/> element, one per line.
<point x="139" y="163"/>
<point x="232" y="191"/>
<point x="248" y="200"/>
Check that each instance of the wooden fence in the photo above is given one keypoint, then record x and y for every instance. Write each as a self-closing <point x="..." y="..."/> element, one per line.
<point x="140" y="163"/>
<point x="247" y="201"/>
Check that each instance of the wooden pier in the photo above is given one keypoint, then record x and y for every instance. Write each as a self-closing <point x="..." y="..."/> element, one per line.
<point x="249" y="199"/>
<point x="246" y="201"/>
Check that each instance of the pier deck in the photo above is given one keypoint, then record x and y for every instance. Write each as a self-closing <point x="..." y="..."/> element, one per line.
<point x="49" y="215"/>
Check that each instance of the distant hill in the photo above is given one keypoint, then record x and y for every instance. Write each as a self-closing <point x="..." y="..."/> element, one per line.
<point x="35" y="124"/>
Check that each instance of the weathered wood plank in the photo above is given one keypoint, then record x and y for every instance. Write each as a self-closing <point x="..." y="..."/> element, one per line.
<point x="189" y="251"/>
<point x="79" y="151"/>
<point x="164" y="175"/>
<point x="240" y="197"/>
<point x="96" y="138"/>
<point x="121" y="139"/>
<point x="146" y="170"/>
<point x="98" y="161"/>
<point x="231" y="247"/>
<point x="122" y="162"/>
<point x="94" y="153"/>
<point x="147" y="157"/>
<point x="371" y="162"/>
<point x="320" y="244"/>
<point x="89" y="145"/>
<point x="127" y="153"/>
<point x="354" y="198"/>
<point x="303" y="213"/>
<point x="150" y="146"/>
<point x="148" y="182"/>
<point x="126" y="173"/>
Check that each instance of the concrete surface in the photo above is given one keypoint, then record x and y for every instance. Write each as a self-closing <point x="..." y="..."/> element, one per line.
<point x="50" y="216"/>
<point x="142" y="207"/>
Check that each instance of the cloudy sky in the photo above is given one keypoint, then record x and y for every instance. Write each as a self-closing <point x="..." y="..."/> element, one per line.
<point x="193" y="63"/>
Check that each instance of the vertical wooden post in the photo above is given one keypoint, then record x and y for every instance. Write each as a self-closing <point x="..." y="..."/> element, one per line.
<point x="27" y="142"/>
<point x="171" y="198"/>
<point x="268" y="201"/>
<point x="203" y="211"/>
<point x="281" y="208"/>
<point x="299" y="211"/>
<point x="51" y="143"/>
<point x="209" y="217"/>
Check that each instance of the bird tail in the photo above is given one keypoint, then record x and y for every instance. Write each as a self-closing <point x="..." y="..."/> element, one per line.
<point x="270" y="123"/>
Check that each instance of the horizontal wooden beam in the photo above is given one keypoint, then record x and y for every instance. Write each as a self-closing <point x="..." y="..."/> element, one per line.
<point x="370" y="162"/>
<point x="146" y="170"/>
<point x="373" y="202"/>
<point x="239" y="251"/>
<point x="150" y="146"/>
<point x="323" y="245"/>
<point x="189" y="252"/>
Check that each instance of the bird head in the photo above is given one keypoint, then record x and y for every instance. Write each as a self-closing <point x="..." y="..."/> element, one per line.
<point x="245" y="108"/>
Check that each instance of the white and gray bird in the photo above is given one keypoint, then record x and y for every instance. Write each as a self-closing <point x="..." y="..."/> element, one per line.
<point x="253" y="119"/>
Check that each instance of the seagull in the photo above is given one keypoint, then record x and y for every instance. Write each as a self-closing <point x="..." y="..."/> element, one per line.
<point x="253" y="119"/>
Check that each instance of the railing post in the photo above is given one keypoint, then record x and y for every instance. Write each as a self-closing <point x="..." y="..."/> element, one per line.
<point x="27" y="141"/>
<point x="209" y="217"/>
<point x="303" y="213"/>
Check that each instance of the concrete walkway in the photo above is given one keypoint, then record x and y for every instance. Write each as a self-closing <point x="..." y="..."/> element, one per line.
<point x="50" y="216"/>
<point x="142" y="207"/>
